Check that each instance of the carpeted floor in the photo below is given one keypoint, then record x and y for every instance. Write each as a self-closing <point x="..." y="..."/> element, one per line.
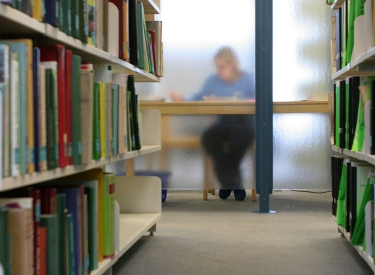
<point x="225" y="237"/>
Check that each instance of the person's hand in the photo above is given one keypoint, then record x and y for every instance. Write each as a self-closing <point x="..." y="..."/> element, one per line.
<point x="176" y="96"/>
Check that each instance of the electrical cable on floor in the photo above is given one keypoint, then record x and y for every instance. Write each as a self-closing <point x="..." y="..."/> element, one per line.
<point x="312" y="192"/>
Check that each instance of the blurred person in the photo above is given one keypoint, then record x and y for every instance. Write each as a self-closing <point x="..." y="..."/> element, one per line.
<point x="228" y="138"/>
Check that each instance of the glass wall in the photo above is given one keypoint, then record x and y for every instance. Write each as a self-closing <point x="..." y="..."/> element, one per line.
<point x="191" y="35"/>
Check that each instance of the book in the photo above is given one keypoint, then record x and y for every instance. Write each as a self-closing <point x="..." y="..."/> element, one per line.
<point x="74" y="206"/>
<point x="43" y="251"/>
<point x="99" y="24"/>
<point x="76" y="111"/>
<point x="115" y="115"/>
<point x="134" y="114"/>
<point x="70" y="244"/>
<point x="60" y="211"/>
<point x="5" y="258"/>
<point x="85" y="223"/>
<point x="68" y="106"/>
<point x="114" y="41"/>
<point x="87" y="112"/>
<point x="57" y="54"/>
<point x="103" y="119"/>
<point x="108" y="214"/>
<point x="15" y="116"/>
<point x="96" y="123"/>
<point x="51" y="15"/>
<point x="133" y="40"/>
<point x="140" y="37"/>
<point x="121" y="80"/>
<point x="105" y="25"/>
<point x="5" y="87"/>
<point x="23" y="48"/>
<point x="50" y="222"/>
<point x="155" y="28"/>
<point x="36" y="100"/>
<point x="92" y="21"/>
<point x="83" y="21"/>
<point x="51" y="114"/>
<point x="109" y="122"/>
<point x="48" y="200"/>
<point x="95" y="175"/>
<point x="126" y="30"/>
<point x="75" y="25"/>
<point x="20" y="227"/>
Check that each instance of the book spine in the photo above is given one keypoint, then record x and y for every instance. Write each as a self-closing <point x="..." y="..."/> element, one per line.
<point x="15" y="129"/>
<point x="96" y="124"/>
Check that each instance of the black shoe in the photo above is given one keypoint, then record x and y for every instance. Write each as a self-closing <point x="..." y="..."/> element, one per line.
<point x="224" y="193"/>
<point x="239" y="194"/>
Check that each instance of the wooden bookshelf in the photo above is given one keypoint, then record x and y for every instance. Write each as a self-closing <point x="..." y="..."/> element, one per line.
<point x="42" y="33"/>
<point x="151" y="7"/>
<point x="369" y="260"/>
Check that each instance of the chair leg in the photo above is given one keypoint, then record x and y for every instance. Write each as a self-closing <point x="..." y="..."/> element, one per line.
<point x="205" y="193"/>
<point x="211" y="191"/>
<point x="253" y="195"/>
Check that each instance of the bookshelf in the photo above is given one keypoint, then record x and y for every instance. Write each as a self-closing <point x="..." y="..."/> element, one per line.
<point x="337" y="4"/>
<point x="26" y="26"/>
<point x="139" y="211"/>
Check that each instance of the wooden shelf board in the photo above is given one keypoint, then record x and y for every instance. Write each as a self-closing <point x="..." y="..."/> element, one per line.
<point x="358" y="155"/>
<point x="368" y="259"/>
<point x="337" y="4"/>
<point x="342" y="74"/>
<point x="18" y="23"/>
<point x="29" y="179"/>
<point x="233" y="107"/>
<point x="132" y="228"/>
<point x="150" y="7"/>
<point x="359" y="60"/>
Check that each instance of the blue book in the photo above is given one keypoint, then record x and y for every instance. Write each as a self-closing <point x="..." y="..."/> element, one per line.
<point x="52" y="12"/>
<point x="74" y="206"/>
<point x="22" y="56"/>
<point x="37" y="124"/>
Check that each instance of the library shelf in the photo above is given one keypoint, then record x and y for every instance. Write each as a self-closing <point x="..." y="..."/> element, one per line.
<point x="358" y="155"/>
<point x="29" y="179"/>
<point x="45" y="34"/>
<point x="132" y="228"/>
<point x="342" y="74"/>
<point x="150" y="7"/>
<point x="369" y="260"/>
<point x="337" y="4"/>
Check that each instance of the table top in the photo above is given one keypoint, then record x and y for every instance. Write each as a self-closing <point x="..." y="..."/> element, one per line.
<point x="233" y="107"/>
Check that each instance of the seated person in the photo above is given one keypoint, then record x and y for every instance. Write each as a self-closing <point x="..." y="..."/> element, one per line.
<point x="227" y="140"/>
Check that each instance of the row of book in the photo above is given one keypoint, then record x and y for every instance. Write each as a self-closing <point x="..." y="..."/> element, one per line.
<point x="60" y="111"/>
<point x="116" y="26"/>
<point x="67" y="226"/>
<point x="352" y="33"/>
<point x="352" y="116"/>
<point x="353" y="199"/>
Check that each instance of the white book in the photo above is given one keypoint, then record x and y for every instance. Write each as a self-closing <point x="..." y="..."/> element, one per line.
<point x="15" y="117"/>
<point x="121" y="80"/>
<point x="43" y="119"/>
<point x="113" y="29"/>
<point x="103" y="73"/>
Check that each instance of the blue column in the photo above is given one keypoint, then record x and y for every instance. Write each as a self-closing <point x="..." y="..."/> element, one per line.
<point x="264" y="102"/>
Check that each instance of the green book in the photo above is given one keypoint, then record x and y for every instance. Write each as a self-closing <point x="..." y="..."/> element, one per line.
<point x="115" y="100"/>
<point x="108" y="214"/>
<point x="51" y="223"/>
<point x="51" y="116"/>
<point x="68" y="15"/>
<point x="341" y="210"/>
<point x="83" y="21"/>
<point x="140" y="37"/>
<point x="347" y="96"/>
<point x="4" y="248"/>
<point x="96" y="124"/>
<point x="75" y="18"/>
<point x="76" y="109"/>
<point x="60" y="208"/>
<point x="70" y="244"/>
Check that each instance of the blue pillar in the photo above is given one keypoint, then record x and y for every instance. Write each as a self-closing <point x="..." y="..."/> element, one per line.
<point x="264" y="102"/>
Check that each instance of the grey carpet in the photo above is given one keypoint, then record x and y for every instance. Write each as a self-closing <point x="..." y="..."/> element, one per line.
<point x="225" y="237"/>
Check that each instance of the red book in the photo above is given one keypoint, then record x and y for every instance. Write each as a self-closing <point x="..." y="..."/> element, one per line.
<point x="57" y="53"/>
<point x="153" y="39"/>
<point x="48" y="200"/>
<point x="68" y="104"/>
<point x="43" y="251"/>
<point x="120" y="5"/>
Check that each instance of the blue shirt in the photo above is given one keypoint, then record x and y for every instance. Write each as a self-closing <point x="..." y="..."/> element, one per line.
<point x="243" y="88"/>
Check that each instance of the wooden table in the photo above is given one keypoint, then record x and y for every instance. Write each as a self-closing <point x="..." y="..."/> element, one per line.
<point x="168" y="109"/>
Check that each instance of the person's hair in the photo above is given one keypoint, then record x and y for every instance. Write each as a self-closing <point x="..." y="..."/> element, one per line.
<point x="229" y="55"/>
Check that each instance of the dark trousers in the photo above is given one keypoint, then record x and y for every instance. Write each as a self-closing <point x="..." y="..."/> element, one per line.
<point x="226" y="142"/>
